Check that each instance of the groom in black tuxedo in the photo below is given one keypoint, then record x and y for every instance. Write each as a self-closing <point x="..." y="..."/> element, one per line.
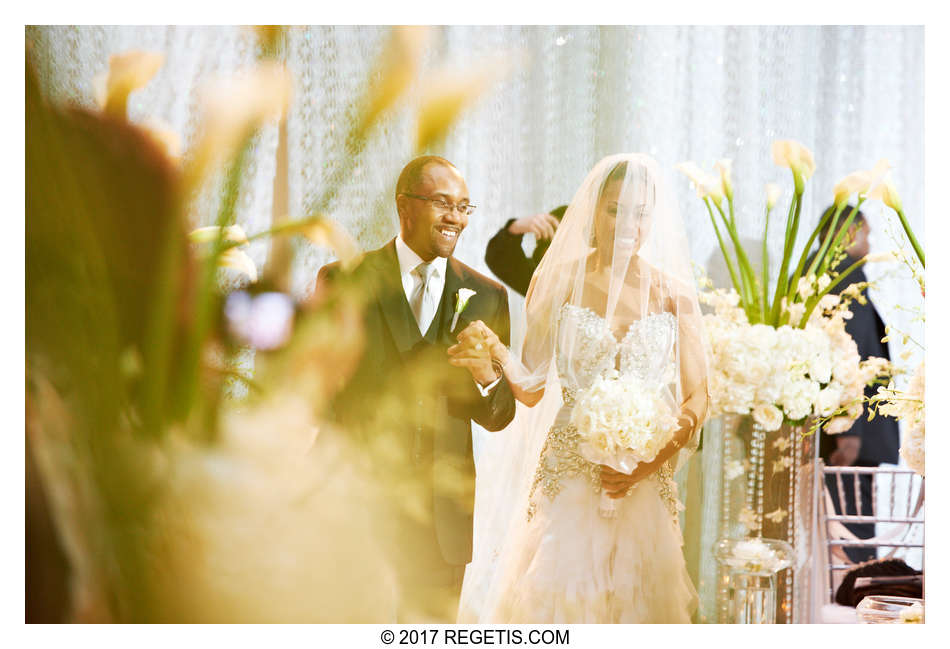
<point x="409" y="401"/>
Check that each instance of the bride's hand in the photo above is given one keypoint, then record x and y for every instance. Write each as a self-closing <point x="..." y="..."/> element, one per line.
<point x="616" y="484"/>
<point x="481" y="332"/>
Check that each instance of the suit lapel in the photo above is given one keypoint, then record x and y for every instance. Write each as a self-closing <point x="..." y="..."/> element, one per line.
<point x="392" y="301"/>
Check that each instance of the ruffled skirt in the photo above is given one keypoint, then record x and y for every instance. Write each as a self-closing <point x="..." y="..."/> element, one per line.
<point x="572" y="565"/>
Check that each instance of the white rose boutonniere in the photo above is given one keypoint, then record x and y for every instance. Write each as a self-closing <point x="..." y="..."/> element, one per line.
<point x="461" y="301"/>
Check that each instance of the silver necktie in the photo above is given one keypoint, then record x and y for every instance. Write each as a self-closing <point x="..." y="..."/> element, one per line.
<point x="422" y="302"/>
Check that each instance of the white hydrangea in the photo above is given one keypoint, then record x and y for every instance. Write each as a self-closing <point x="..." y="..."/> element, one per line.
<point x="786" y="372"/>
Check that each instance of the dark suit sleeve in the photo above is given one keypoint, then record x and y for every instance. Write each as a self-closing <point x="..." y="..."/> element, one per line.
<point x="496" y="411"/>
<point x="507" y="260"/>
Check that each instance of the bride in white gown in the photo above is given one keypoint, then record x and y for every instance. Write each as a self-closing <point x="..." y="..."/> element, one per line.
<point x="614" y="293"/>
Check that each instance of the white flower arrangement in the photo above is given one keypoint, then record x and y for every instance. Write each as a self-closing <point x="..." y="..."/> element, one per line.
<point x="753" y="555"/>
<point x="622" y="422"/>
<point x="786" y="372"/>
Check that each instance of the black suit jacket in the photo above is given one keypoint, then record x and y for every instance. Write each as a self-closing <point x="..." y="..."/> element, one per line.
<point x="880" y="438"/>
<point x="405" y="393"/>
<point x="505" y="256"/>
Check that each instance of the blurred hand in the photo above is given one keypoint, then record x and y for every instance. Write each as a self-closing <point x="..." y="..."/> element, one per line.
<point x="542" y="225"/>
<point x="474" y="352"/>
<point x="847" y="452"/>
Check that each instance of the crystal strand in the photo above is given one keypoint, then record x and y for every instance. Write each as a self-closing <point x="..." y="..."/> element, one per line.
<point x="728" y="424"/>
<point x="759" y="434"/>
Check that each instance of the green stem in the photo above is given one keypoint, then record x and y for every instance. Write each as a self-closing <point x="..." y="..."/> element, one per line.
<point x="797" y="275"/>
<point x="910" y="235"/>
<point x="794" y="209"/>
<point x="817" y="298"/>
<point x="745" y="268"/>
<point x="205" y="297"/>
<point x="765" y="265"/>
<point x="836" y="243"/>
<point x="823" y="248"/>
<point x="725" y="253"/>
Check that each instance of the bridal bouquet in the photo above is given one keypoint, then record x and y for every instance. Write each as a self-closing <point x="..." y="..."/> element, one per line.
<point x="622" y="422"/>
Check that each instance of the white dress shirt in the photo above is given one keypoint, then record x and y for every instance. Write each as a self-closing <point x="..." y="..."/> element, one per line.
<point x="408" y="260"/>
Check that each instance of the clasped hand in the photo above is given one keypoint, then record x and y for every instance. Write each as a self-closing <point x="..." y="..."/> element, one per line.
<point x="480" y="351"/>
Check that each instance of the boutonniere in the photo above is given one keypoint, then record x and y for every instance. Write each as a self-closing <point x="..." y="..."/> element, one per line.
<point x="461" y="301"/>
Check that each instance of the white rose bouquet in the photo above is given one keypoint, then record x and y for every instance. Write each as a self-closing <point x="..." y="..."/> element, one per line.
<point x="622" y="422"/>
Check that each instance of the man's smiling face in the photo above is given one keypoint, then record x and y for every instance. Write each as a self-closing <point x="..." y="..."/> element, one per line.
<point x="429" y="230"/>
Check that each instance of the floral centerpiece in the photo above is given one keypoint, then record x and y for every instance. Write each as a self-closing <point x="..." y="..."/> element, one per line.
<point x="779" y="354"/>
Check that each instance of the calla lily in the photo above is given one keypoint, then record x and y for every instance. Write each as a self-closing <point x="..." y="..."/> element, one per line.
<point x="128" y="71"/>
<point x="880" y="171"/>
<point x="240" y="261"/>
<point x="448" y="93"/>
<point x="461" y="302"/>
<point x="397" y="67"/>
<point x="860" y="182"/>
<point x="234" y="233"/>
<point x="706" y="183"/>
<point x="233" y="110"/>
<point x="854" y="183"/>
<point x="886" y="192"/>
<point x="772" y="192"/>
<point x="797" y="157"/>
<point x="724" y="167"/>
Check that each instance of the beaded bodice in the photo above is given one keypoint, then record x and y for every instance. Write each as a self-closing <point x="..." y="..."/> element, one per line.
<point x="587" y="348"/>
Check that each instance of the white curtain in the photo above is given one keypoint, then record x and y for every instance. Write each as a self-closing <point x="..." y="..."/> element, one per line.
<point x="852" y="94"/>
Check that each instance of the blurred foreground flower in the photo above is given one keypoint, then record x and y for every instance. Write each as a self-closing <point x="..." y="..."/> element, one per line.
<point x="239" y="261"/>
<point x="128" y="72"/>
<point x="326" y="233"/>
<point x="164" y="136"/>
<point x="234" y="233"/>
<point x="233" y="110"/>
<point x="396" y="67"/>
<point x="230" y="257"/>
<point x="263" y="321"/>
<point x="447" y="92"/>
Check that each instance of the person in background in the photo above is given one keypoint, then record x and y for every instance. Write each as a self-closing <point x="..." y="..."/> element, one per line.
<point x="867" y="442"/>
<point x="505" y="256"/>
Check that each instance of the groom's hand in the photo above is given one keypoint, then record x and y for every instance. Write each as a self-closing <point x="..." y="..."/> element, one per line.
<point x="473" y="352"/>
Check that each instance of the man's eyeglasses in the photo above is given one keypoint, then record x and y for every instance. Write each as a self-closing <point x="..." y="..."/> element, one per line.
<point x="444" y="206"/>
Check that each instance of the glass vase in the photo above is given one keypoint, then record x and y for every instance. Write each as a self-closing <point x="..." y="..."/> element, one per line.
<point x="753" y="598"/>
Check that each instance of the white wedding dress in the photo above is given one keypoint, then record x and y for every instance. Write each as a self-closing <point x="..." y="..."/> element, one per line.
<point x="571" y="564"/>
